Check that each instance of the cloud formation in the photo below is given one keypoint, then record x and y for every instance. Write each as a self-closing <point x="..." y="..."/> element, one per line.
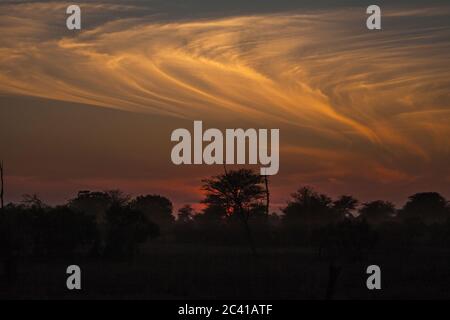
<point x="341" y="95"/>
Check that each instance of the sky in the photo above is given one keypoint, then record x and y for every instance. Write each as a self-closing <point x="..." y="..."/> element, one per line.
<point x="360" y="112"/>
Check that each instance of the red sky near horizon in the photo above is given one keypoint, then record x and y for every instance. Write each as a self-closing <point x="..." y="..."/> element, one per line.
<point x="359" y="112"/>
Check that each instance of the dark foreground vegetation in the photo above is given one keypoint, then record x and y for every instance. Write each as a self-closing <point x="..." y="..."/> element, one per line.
<point x="318" y="248"/>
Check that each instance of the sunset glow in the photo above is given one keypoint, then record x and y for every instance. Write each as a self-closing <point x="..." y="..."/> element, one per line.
<point x="366" y="113"/>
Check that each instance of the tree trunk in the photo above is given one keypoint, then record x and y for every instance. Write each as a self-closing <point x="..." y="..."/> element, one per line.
<point x="267" y="196"/>
<point x="248" y="230"/>
<point x="10" y="266"/>
<point x="244" y="218"/>
<point x="333" y="274"/>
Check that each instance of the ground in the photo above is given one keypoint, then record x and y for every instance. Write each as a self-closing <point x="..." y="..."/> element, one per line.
<point x="175" y="271"/>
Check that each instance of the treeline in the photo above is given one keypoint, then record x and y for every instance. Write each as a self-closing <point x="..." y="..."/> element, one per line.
<point x="112" y="224"/>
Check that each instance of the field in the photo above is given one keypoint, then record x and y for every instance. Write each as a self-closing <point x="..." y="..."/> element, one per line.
<point x="175" y="271"/>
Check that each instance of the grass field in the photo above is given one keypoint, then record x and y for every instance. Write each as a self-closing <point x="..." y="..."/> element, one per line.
<point x="171" y="271"/>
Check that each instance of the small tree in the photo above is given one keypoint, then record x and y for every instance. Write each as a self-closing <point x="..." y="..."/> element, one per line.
<point x="32" y="201"/>
<point x="156" y="208"/>
<point x="345" y="206"/>
<point x="428" y="207"/>
<point x="126" y="230"/>
<point x="238" y="192"/>
<point x="309" y="208"/>
<point x="185" y="214"/>
<point x="376" y="212"/>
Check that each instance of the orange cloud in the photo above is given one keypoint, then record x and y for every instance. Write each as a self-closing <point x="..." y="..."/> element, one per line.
<point x="345" y="99"/>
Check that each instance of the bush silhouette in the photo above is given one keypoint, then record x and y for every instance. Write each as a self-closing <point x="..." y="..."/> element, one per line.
<point x="126" y="230"/>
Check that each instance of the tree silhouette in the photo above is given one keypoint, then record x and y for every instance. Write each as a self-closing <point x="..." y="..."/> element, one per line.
<point x="62" y="232"/>
<point x="213" y="214"/>
<point x="32" y="201"/>
<point x="429" y="207"/>
<point x="238" y="192"/>
<point x="186" y="214"/>
<point x="126" y="230"/>
<point x="157" y="209"/>
<point x="113" y="225"/>
<point x="376" y="212"/>
<point x="345" y="206"/>
<point x="92" y="203"/>
<point x="309" y="208"/>
<point x="6" y="241"/>
<point x="118" y="197"/>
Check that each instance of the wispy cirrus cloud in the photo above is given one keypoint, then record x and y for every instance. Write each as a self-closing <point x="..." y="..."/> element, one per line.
<point x="378" y="97"/>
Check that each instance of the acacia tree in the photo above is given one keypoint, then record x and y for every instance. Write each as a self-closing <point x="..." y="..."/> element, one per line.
<point x="186" y="214"/>
<point x="377" y="211"/>
<point x="157" y="209"/>
<point x="429" y="207"/>
<point x="309" y="208"/>
<point x="238" y="192"/>
<point x="345" y="206"/>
